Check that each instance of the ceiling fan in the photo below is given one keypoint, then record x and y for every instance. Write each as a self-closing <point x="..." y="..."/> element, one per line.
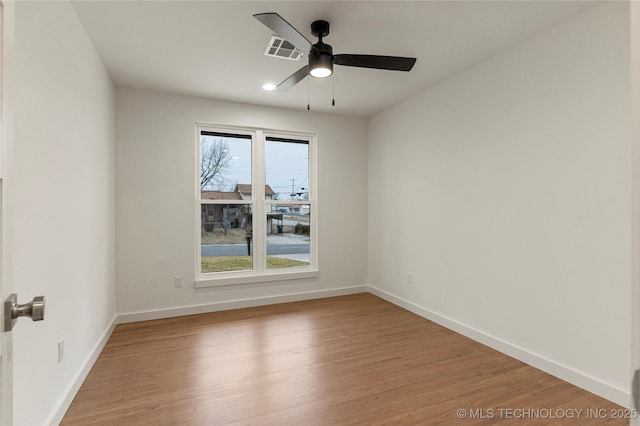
<point x="321" y="57"/>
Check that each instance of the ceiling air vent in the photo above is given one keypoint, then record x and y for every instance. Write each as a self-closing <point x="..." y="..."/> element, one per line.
<point x="281" y="48"/>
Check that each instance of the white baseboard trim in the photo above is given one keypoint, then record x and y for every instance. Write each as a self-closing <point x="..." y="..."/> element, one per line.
<point x="584" y="381"/>
<point x="236" y="304"/>
<point x="70" y="392"/>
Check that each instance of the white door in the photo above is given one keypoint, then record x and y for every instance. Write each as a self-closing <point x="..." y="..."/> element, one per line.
<point x="6" y="362"/>
<point x="6" y="347"/>
<point x="2" y="344"/>
<point x="5" y="341"/>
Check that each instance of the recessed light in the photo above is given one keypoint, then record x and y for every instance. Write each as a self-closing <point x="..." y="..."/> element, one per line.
<point x="269" y="86"/>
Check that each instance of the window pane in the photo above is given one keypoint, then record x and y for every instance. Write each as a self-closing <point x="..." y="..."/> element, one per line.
<point x="288" y="235"/>
<point x="225" y="166"/>
<point x="287" y="169"/>
<point x="226" y="237"/>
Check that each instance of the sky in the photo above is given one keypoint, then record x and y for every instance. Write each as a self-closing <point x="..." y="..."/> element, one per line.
<point x="286" y="164"/>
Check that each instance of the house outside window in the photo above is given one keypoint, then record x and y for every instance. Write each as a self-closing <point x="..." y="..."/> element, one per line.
<point x="255" y="197"/>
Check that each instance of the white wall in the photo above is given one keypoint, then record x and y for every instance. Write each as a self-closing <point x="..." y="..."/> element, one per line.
<point x="58" y="203"/>
<point x="155" y="186"/>
<point x="506" y="191"/>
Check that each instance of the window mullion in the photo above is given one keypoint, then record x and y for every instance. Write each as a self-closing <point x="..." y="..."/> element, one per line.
<point x="313" y="219"/>
<point x="259" y="221"/>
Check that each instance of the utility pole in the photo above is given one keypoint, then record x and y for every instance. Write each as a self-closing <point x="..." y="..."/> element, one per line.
<point x="293" y="188"/>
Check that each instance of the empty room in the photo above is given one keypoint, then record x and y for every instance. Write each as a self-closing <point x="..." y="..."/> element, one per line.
<point x="320" y="212"/>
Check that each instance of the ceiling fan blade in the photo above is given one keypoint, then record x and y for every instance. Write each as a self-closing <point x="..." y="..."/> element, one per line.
<point x="393" y="63"/>
<point x="278" y="25"/>
<point x="293" y="79"/>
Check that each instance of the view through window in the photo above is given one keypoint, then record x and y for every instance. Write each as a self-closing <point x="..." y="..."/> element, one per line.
<point x="256" y="202"/>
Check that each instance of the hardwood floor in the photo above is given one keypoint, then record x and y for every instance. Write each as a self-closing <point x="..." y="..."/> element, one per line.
<point x="345" y="360"/>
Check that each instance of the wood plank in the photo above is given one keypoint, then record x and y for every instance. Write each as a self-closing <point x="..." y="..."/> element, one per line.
<point x="344" y="360"/>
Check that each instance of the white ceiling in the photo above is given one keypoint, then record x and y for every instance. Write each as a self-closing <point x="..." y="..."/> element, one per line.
<point x="215" y="49"/>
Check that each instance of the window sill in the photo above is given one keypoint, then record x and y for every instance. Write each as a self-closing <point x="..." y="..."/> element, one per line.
<point x="205" y="281"/>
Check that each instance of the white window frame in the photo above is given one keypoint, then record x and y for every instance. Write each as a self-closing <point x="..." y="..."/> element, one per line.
<point x="260" y="273"/>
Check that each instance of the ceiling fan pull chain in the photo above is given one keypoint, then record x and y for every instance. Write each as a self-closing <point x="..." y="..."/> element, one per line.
<point x="308" y="108"/>
<point x="333" y="93"/>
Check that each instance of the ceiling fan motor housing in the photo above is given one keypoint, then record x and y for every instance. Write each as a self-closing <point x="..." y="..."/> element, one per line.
<point x="322" y="49"/>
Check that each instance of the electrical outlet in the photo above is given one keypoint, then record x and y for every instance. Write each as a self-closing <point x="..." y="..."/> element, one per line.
<point x="60" y="350"/>
<point x="177" y="281"/>
<point x="409" y="279"/>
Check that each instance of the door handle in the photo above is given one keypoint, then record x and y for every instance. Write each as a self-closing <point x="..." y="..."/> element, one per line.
<point x="13" y="311"/>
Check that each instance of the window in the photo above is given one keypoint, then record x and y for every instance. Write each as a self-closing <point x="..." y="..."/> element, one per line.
<point x="256" y="206"/>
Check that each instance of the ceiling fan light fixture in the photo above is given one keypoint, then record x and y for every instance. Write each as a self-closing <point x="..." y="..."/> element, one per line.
<point x="321" y="72"/>
<point x="269" y="87"/>
<point x="321" y="66"/>
<point x="320" y="54"/>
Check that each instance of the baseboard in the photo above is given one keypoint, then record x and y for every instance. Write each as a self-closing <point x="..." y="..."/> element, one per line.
<point x="74" y="387"/>
<point x="565" y="373"/>
<point x="236" y="304"/>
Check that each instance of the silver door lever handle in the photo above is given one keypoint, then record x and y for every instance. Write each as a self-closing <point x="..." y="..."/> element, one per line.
<point x="13" y="311"/>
